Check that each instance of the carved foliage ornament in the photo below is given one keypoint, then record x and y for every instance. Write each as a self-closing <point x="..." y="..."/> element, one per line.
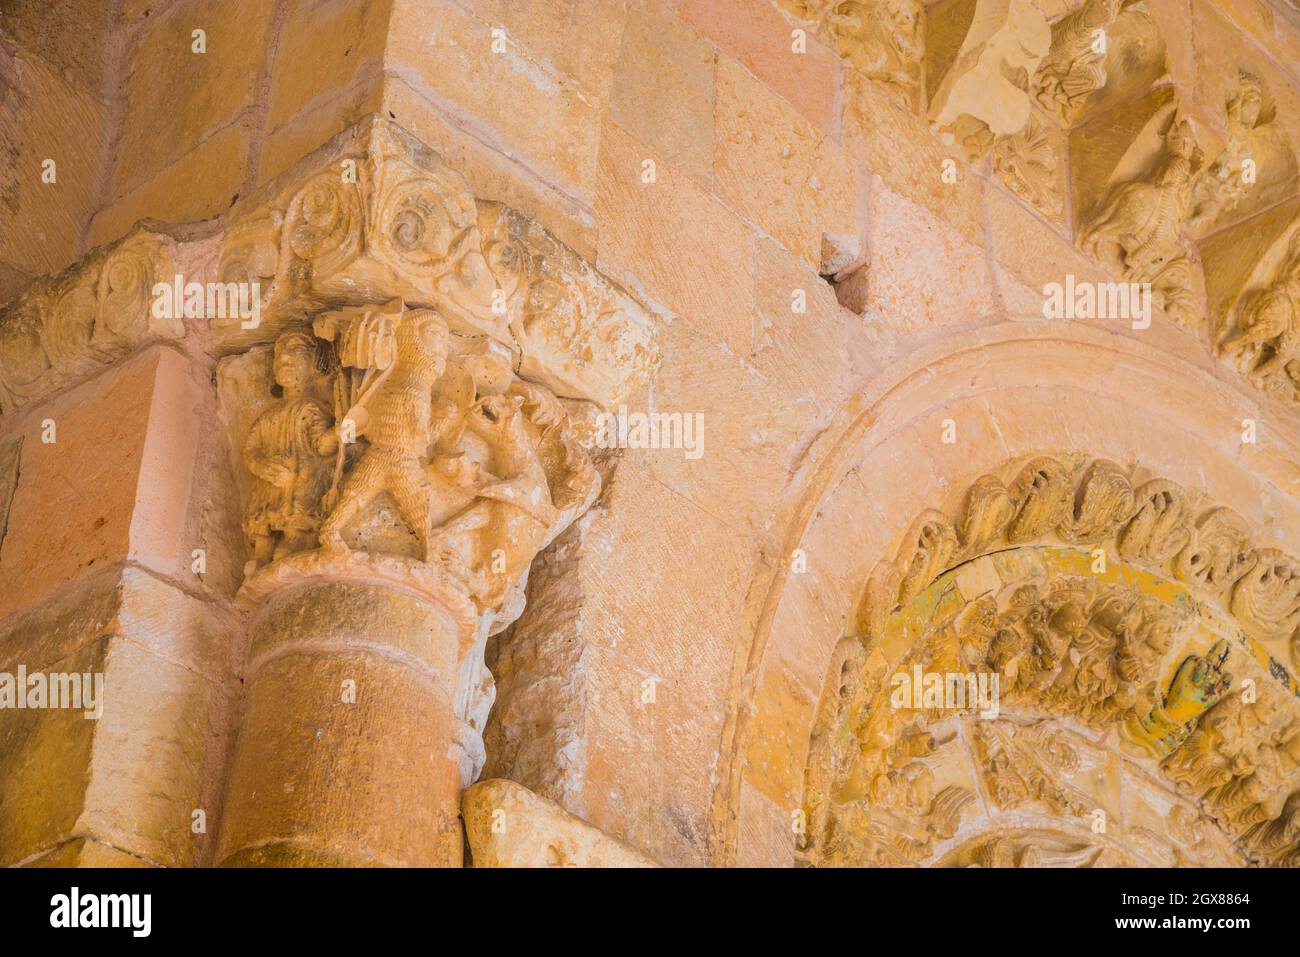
<point x="403" y="224"/>
<point x="64" y="326"/>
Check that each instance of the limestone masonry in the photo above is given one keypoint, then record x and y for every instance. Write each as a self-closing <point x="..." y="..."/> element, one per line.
<point x="636" y="433"/>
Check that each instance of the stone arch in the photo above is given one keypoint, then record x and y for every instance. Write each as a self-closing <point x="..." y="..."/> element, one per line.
<point x="1014" y="392"/>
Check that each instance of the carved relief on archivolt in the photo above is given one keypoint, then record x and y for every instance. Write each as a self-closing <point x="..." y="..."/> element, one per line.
<point x="1153" y="523"/>
<point x="1136" y="229"/>
<point x="1075" y="68"/>
<point x="1151" y="652"/>
<point x="1256" y="165"/>
<point x="1261" y="334"/>
<point x="1109" y="693"/>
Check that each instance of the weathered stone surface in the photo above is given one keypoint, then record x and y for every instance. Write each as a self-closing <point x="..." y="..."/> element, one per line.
<point x="761" y="37"/>
<point x="124" y="439"/>
<point x="663" y="89"/>
<point x="509" y="826"/>
<point x="176" y="97"/>
<point x="339" y="563"/>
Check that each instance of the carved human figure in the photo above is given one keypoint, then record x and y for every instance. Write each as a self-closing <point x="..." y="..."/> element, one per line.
<point x="881" y="38"/>
<point x="493" y="538"/>
<point x="288" y="452"/>
<point x="1223" y="184"/>
<point x="1137" y="227"/>
<point x="1268" y="336"/>
<point x="394" y="413"/>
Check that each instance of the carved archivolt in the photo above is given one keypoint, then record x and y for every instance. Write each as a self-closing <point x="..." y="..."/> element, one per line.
<point x="1149" y="523"/>
<point x="1012" y="89"/>
<point x="1132" y="628"/>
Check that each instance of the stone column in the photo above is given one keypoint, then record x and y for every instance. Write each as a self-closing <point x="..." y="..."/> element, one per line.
<point x="347" y="754"/>
<point x="398" y="420"/>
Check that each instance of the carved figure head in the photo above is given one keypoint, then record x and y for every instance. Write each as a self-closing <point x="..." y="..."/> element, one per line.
<point x="422" y="339"/>
<point x="294" y="360"/>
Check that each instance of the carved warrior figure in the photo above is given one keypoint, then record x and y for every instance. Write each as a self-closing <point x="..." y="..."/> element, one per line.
<point x="403" y="355"/>
<point x="1137" y="226"/>
<point x="1266" y="344"/>
<point x="288" y="452"/>
<point x="1223" y="184"/>
<point x="1075" y="68"/>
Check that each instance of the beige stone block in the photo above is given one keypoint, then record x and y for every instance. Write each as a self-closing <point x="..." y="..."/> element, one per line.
<point x="923" y="274"/>
<point x="1171" y="18"/>
<point x="761" y="37"/>
<point x="647" y="721"/>
<point x="493" y="174"/>
<point x="509" y="826"/>
<point x="663" y="89"/>
<point x="45" y="118"/>
<point x="203" y="183"/>
<point x="176" y="97"/>
<point x="1286" y="39"/>
<point x="154" y="751"/>
<point x="802" y="336"/>
<point x="897" y="146"/>
<point x="311" y="129"/>
<point x="576" y="38"/>
<point x="674" y="242"/>
<point x="45" y="768"/>
<point x="113" y="485"/>
<point x="324" y="47"/>
<point x="781" y="173"/>
<point x="777" y="737"/>
<point x="1028" y="253"/>
<point x="630" y="531"/>
<point x="133" y="776"/>
<point x="750" y="432"/>
<point x="507" y="97"/>
<point x="766" y="832"/>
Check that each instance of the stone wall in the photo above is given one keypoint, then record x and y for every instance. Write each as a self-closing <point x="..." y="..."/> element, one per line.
<point x="839" y="220"/>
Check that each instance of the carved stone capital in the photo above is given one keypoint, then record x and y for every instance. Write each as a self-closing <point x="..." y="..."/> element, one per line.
<point x="381" y="217"/>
